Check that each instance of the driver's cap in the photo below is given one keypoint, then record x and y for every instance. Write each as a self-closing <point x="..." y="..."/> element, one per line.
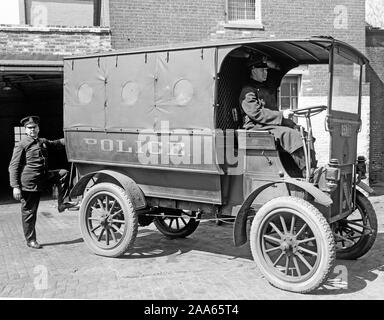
<point x="262" y="62"/>
<point x="30" y="120"/>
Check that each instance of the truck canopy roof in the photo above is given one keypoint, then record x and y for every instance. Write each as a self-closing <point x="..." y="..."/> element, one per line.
<point x="312" y="50"/>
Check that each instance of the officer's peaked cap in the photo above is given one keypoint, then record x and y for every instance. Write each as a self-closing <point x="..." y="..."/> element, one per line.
<point x="30" y="120"/>
<point x="259" y="62"/>
<point x="262" y="62"/>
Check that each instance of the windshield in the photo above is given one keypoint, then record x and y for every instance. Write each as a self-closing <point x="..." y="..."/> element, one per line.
<point x="346" y="82"/>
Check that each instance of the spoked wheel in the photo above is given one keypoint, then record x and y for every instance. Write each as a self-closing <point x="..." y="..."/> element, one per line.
<point x="356" y="234"/>
<point x="108" y="220"/>
<point x="177" y="223"/>
<point x="292" y="244"/>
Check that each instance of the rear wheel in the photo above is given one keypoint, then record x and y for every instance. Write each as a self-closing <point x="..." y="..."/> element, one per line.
<point x="356" y="234"/>
<point x="108" y="220"/>
<point x="292" y="244"/>
<point x="176" y="223"/>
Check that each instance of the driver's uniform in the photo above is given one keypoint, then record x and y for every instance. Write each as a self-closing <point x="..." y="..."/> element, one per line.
<point x="259" y="105"/>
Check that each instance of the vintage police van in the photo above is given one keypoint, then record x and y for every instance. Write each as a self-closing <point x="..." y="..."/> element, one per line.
<point x="155" y="135"/>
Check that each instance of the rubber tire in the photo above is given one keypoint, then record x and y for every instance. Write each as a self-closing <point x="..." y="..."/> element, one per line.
<point x="130" y="217"/>
<point x="320" y="229"/>
<point x="172" y="234"/>
<point x="366" y="242"/>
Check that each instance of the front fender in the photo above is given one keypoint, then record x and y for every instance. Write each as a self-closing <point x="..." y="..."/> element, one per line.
<point x="365" y="187"/>
<point x="239" y="230"/>
<point x="129" y="185"/>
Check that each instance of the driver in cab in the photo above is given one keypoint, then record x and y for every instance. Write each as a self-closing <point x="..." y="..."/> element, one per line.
<point x="258" y="102"/>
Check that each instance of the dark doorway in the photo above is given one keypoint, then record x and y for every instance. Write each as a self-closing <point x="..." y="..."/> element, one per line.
<point x="29" y="94"/>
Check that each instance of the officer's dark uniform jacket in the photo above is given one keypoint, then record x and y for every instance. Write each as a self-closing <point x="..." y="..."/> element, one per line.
<point x="261" y="112"/>
<point x="28" y="168"/>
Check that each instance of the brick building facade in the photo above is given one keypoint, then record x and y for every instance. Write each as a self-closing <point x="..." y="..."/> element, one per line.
<point x="150" y="22"/>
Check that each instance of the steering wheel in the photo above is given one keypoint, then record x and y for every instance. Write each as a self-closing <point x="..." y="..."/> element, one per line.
<point x="310" y="111"/>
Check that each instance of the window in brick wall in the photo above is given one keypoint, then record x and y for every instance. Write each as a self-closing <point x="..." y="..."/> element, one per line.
<point x="19" y="133"/>
<point x="244" y="12"/>
<point x="66" y="13"/>
<point x="288" y="94"/>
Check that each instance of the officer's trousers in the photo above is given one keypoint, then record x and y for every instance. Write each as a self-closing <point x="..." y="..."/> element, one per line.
<point x="30" y="200"/>
<point x="29" y="204"/>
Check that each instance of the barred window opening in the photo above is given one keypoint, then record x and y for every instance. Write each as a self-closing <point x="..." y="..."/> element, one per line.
<point x="243" y="11"/>
<point x="19" y="133"/>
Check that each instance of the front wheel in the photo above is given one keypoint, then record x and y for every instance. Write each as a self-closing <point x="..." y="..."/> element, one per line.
<point x="292" y="244"/>
<point x="108" y="220"/>
<point x="356" y="234"/>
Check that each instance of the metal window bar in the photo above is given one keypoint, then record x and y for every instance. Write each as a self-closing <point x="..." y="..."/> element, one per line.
<point x="241" y="10"/>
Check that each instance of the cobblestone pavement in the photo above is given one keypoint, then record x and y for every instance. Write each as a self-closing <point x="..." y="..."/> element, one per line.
<point x="206" y="265"/>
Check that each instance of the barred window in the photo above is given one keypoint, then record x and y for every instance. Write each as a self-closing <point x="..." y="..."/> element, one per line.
<point x="19" y="133"/>
<point x="244" y="11"/>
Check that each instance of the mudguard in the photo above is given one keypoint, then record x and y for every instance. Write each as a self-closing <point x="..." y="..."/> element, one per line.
<point x="239" y="230"/>
<point x="130" y="186"/>
<point x="365" y="187"/>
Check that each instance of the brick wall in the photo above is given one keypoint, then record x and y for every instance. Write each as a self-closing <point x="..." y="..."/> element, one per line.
<point x="137" y="23"/>
<point x="16" y="40"/>
<point x="375" y="75"/>
<point x="307" y="18"/>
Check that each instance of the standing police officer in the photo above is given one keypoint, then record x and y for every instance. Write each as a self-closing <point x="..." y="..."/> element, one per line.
<point x="29" y="175"/>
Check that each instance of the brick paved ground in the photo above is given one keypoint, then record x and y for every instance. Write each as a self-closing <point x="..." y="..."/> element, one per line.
<point x="204" y="266"/>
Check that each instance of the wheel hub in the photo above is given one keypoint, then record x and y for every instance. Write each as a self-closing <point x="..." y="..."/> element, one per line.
<point x="105" y="221"/>
<point x="289" y="244"/>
